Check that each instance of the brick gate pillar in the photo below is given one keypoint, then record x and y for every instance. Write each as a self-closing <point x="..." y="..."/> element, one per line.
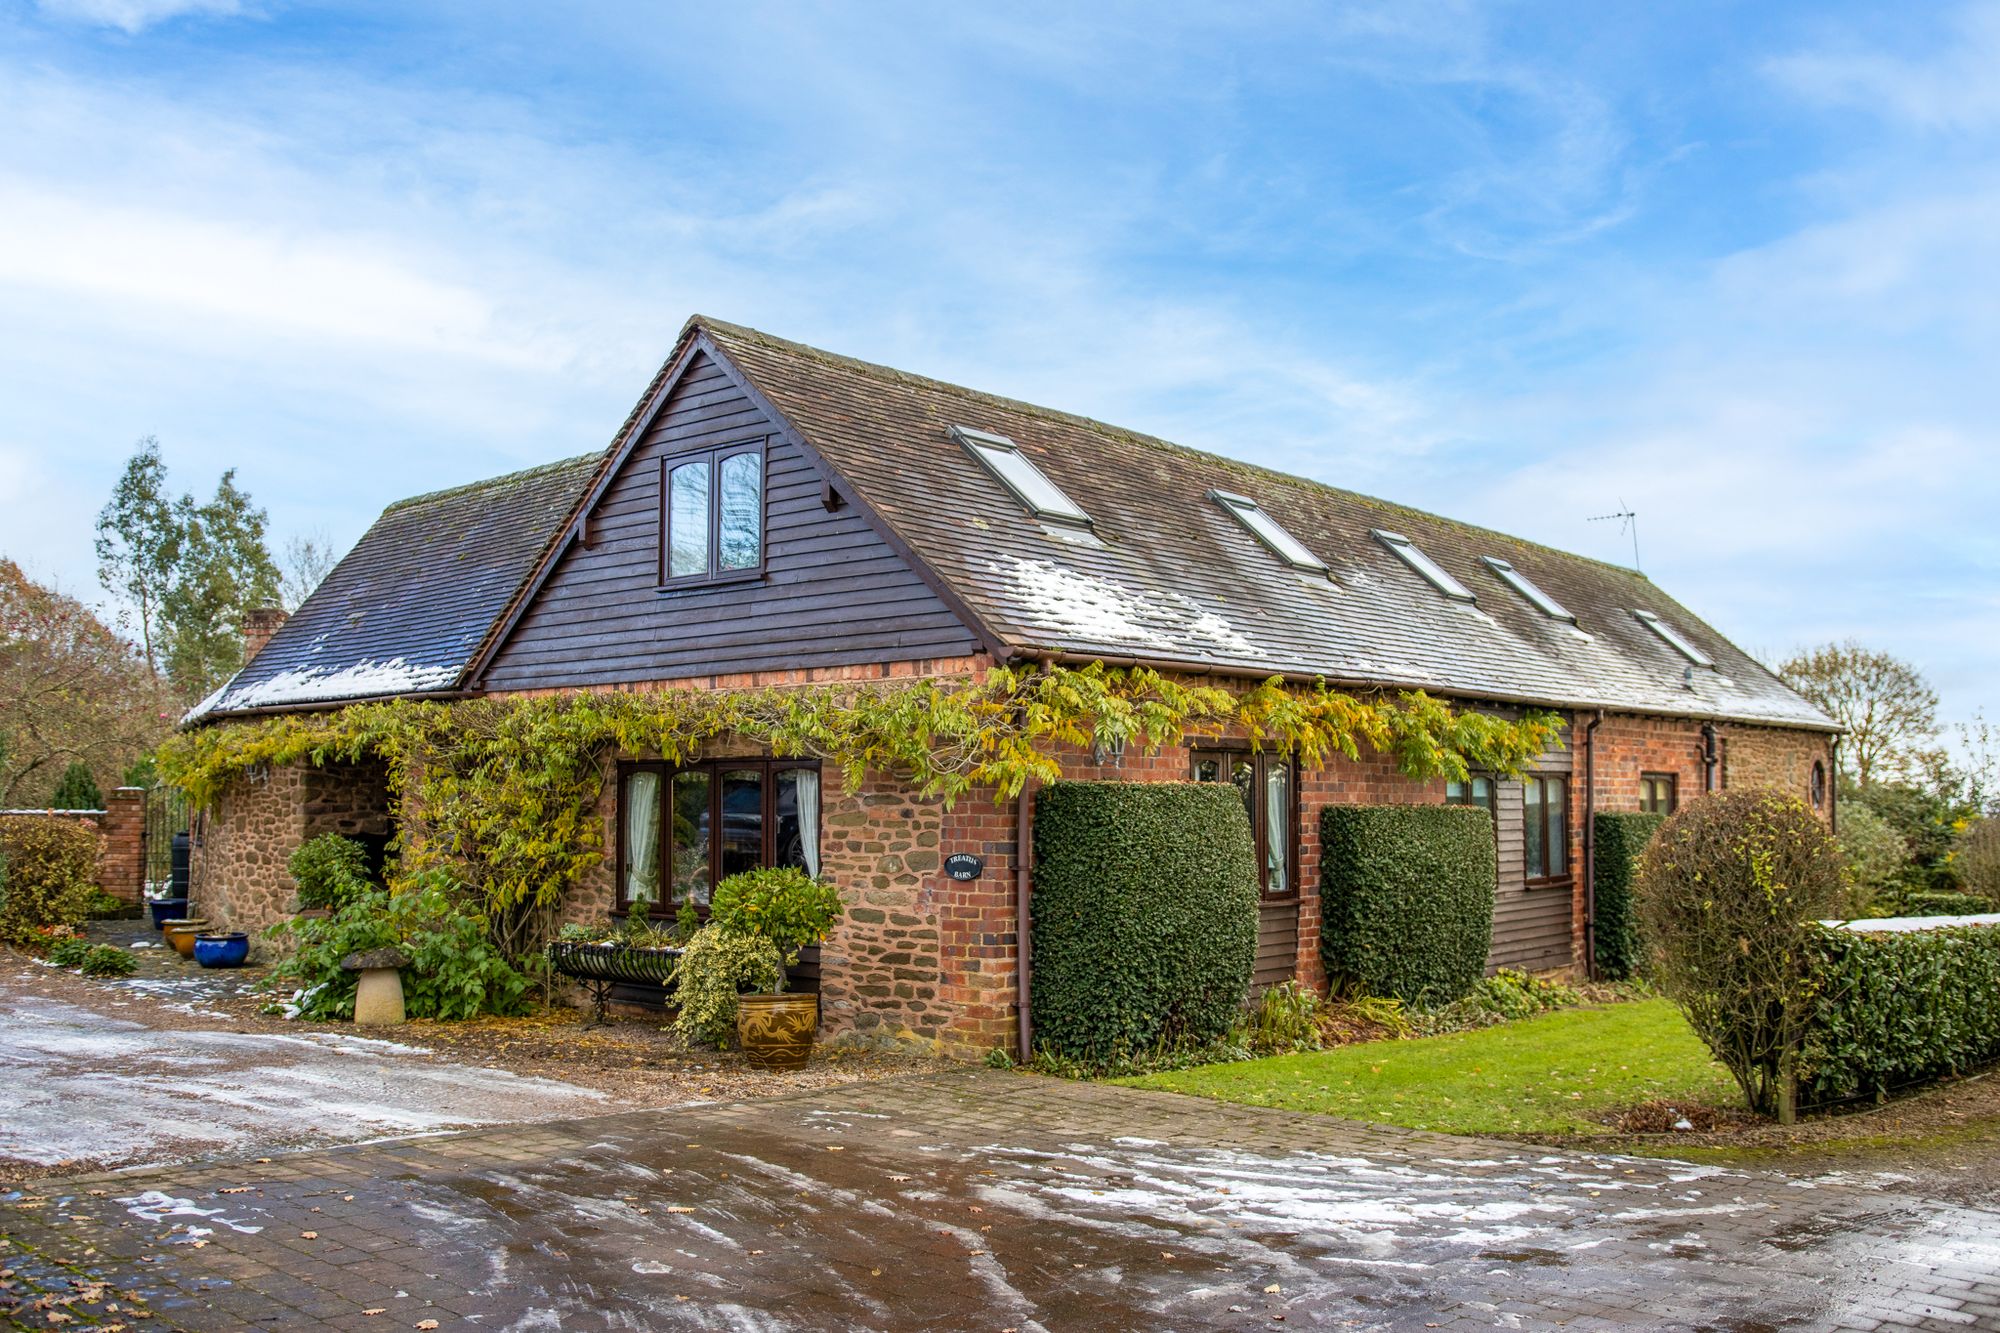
<point x="121" y="848"/>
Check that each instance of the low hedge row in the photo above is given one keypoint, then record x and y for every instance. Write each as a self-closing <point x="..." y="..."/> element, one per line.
<point x="48" y="868"/>
<point x="1621" y="840"/>
<point x="1945" y="904"/>
<point x="1145" y="920"/>
<point x="1899" y="1007"/>
<point x="1406" y="898"/>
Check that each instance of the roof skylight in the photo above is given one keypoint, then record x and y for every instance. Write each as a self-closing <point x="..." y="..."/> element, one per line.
<point x="1524" y="585"/>
<point x="1433" y="573"/>
<point x="1674" y="639"/>
<point x="1018" y="473"/>
<point x="1268" y="531"/>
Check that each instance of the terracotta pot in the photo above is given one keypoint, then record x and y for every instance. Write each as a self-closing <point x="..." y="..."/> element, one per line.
<point x="180" y="933"/>
<point x="776" y="1031"/>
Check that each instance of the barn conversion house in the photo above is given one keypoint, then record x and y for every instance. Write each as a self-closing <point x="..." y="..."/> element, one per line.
<point x="771" y="514"/>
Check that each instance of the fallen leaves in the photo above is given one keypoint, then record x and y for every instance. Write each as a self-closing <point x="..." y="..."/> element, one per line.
<point x="427" y="1323"/>
<point x="375" y="1310"/>
<point x="309" y="1235"/>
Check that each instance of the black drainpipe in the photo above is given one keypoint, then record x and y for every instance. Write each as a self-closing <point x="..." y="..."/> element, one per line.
<point x="1710" y="756"/>
<point x="1590" y="845"/>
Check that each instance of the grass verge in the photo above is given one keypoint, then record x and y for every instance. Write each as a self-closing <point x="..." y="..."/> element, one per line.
<point x="1557" y="1074"/>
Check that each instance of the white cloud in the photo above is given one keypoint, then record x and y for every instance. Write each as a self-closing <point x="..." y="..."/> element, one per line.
<point x="1952" y="88"/>
<point x="135" y="16"/>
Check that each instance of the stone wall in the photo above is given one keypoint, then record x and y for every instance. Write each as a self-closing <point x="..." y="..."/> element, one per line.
<point x="238" y="878"/>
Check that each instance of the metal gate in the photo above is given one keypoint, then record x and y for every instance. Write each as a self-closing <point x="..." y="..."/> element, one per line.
<point x="166" y="815"/>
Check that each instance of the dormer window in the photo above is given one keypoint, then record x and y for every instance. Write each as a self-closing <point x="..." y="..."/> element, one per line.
<point x="1018" y="473"/>
<point x="712" y="514"/>
<point x="1522" y="584"/>
<point x="1673" y="639"/>
<point x="1268" y="531"/>
<point x="1433" y="573"/>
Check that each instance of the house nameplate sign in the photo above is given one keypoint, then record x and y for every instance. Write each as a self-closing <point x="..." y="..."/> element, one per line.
<point x="964" y="865"/>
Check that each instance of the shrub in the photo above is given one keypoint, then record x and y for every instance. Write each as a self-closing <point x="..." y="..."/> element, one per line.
<point x="1284" y="1020"/>
<point x="454" y="970"/>
<point x="69" y="952"/>
<point x="1978" y="859"/>
<point x="1729" y="890"/>
<point x="101" y="906"/>
<point x="77" y="790"/>
<point x="1876" y="856"/>
<point x="1406" y="898"/>
<point x="1145" y="917"/>
<point x="718" y="966"/>
<point x="1944" y="904"/>
<point x="47" y="871"/>
<point x="330" y="871"/>
<point x="1501" y="998"/>
<point x="1621" y="840"/>
<point x="785" y="905"/>
<point x="1900" y="1006"/>
<point x="108" y="960"/>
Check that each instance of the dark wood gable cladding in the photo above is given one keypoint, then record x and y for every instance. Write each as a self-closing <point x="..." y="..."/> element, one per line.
<point x="831" y="590"/>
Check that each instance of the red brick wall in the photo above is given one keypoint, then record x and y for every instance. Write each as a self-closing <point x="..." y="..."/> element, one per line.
<point x="121" y="856"/>
<point x="1773" y="757"/>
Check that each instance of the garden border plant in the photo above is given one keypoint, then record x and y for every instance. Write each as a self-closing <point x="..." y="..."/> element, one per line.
<point x="504" y="790"/>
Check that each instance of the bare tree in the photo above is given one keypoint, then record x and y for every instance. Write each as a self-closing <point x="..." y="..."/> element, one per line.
<point x="308" y="559"/>
<point x="1887" y="707"/>
<point x="71" y="692"/>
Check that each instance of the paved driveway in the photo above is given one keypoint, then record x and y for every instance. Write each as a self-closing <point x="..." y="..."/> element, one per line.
<point x="978" y="1200"/>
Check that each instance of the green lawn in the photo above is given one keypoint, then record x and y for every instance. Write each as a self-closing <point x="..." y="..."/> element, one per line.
<point x="1547" y="1075"/>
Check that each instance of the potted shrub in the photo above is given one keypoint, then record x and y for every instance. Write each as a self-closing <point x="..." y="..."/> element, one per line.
<point x="786" y="909"/>
<point x="330" y="871"/>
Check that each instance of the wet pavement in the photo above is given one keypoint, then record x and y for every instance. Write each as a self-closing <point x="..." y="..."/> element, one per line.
<point x="982" y="1200"/>
<point x="92" y="1085"/>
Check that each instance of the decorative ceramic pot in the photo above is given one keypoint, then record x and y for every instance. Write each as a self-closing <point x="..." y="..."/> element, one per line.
<point x="776" y="1031"/>
<point x="180" y="934"/>
<point x="223" y="949"/>
<point x="167" y="909"/>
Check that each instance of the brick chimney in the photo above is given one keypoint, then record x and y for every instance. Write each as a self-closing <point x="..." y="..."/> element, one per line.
<point x="258" y="627"/>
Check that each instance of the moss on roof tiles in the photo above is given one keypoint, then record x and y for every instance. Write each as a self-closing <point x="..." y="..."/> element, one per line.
<point x="493" y="484"/>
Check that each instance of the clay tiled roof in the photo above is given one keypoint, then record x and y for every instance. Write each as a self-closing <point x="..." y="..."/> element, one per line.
<point x="1169" y="577"/>
<point x="407" y="609"/>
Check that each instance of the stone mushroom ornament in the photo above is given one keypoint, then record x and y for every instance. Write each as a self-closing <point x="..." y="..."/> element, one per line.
<point x="378" y="999"/>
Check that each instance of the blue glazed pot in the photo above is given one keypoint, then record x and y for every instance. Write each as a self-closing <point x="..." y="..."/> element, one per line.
<point x="167" y="909"/>
<point x="227" y="949"/>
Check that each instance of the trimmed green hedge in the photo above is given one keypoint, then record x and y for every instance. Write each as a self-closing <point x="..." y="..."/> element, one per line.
<point x="1145" y="916"/>
<point x="1406" y="898"/>
<point x="1945" y="904"/>
<point x="1899" y="1007"/>
<point x="1621" y="840"/>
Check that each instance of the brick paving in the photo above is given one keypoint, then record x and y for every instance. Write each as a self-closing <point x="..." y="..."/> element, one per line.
<point x="978" y="1200"/>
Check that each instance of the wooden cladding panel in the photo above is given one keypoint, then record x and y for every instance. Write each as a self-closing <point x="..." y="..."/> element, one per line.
<point x="1531" y="926"/>
<point x="1277" y="943"/>
<point x="833" y="593"/>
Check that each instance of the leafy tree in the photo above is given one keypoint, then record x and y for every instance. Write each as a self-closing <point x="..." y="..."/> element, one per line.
<point x="1876" y="855"/>
<point x="308" y="560"/>
<point x="1978" y="859"/>
<point x="139" y="540"/>
<point x="225" y="570"/>
<point x="71" y="691"/>
<point x="1886" y="705"/>
<point x="77" y="790"/>
<point x="1729" y="891"/>
<point x="1929" y="819"/>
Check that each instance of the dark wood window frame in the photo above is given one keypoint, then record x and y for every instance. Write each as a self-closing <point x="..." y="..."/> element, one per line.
<point x="1259" y="826"/>
<point x="1557" y="876"/>
<point x="1649" y="802"/>
<point x="1491" y="803"/>
<point x="714" y="457"/>
<point x="664" y="904"/>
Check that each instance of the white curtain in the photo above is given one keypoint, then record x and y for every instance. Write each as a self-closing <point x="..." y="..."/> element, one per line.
<point x="642" y="839"/>
<point x="809" y="819"/>
<point x="1277" y="828"/>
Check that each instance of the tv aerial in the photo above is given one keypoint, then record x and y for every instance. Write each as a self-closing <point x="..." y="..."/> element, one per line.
<point x="1628" y="521"/>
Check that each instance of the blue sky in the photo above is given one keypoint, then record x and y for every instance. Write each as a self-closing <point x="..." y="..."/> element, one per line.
<point x="1734" y="264"/>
